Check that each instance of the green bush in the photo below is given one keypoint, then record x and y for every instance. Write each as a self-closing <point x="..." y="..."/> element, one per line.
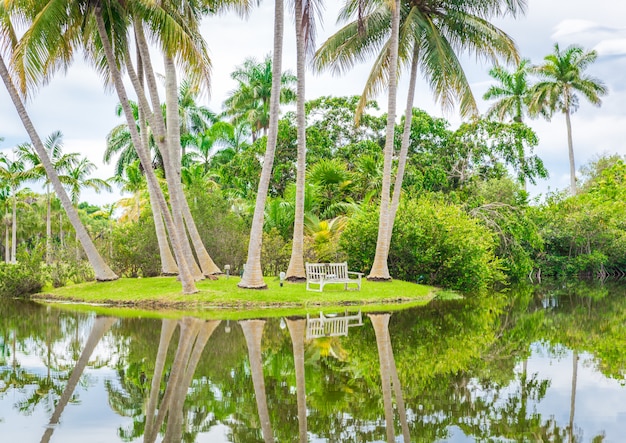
<point x="433" y="243"/>
<point x="135" y="249"/>
<point x="24" y="277"/>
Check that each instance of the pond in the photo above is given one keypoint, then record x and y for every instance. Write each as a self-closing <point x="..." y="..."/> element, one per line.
<point x="544" y="363"/>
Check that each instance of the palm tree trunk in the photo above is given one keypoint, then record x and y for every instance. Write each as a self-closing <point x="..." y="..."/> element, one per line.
<point x="99" y="328"/>
<point x="167" y="330"/>
<point x="295" y="270"/>
<point x="253" y="333"/>
<point x="397" y="390"/>
<point x="48" y="225"/>
<point x="186" y="278"/>
<point x="168" y="263"/>
<point x="383" y="342"/>
<point x="297" y="330"/>
<point x="404" y="146"/>
<point x="101" y="269"/>
<point x="7" y="241"/>
<point x="253" y="273"/>
<point x="14" y="227"/>
<point x="380" y="269"/>
<point x="570" y="150"/>
<point x="171" y="153"/>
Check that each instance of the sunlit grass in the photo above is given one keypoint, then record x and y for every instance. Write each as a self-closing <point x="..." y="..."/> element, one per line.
<point x="164" y="293"/>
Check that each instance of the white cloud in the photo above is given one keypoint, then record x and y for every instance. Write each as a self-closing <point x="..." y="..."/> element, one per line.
<point x="611" y="47"/>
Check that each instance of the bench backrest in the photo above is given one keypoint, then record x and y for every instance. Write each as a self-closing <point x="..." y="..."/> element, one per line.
<point x="315" y="271"/>
<point x="339" y="270"/>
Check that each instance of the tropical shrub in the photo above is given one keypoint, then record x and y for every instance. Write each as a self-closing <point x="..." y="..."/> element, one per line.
<point x="24" y="277"/>
<point x="433" y="243"/>
<point x="135" y="250"/>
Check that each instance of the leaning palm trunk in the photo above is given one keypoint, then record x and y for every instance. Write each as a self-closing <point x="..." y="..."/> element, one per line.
<point x="295" y="270"/>
<point x="253" y="273"/>
<point x="101" y="269"/>
<point x="380" y="269"/>
<point x="572" y="407"/>
<point x="100" y="327"/>
<point x="404" y="146"/>
<point x="168" y="263"/>
<point x="297" y="330"/>
<point x="381" y="329"/>
<point x="167" y="330"/>
<point x="253" y="333"/>
<point x="144" y="156"/>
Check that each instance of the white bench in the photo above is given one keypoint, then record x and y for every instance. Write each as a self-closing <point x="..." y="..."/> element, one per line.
<point x="325" y="273"/>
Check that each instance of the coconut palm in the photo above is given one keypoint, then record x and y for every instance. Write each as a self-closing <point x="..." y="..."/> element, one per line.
<point x="78" y="178"/>
<point x="562" y="79"/>
<point x="430" y="35"/>
<point x="250" y="102"/>
<point x="207" y="142"/>
<point x="253" y="274"/>
<point x="511" y="92"/>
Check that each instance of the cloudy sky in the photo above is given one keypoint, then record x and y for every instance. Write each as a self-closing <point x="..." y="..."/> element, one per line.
<point x="77" y="105"/>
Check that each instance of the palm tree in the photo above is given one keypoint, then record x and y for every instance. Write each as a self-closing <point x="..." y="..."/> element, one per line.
<point x="250" y="103"/>
<point x="511" y="92"/>
<point x="430" y="35"/>
<point x="78" y="178"/>
<point x="61" y="162"/>
<point x="253" y="274"/>
<point x="562" y="79"/>
<point x="7" y="41"/>
<point x="305" y="32"/>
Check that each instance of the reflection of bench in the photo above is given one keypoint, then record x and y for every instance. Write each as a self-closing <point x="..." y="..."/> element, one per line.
<point x="331" y="326"/>
<point x="324" y="273"/>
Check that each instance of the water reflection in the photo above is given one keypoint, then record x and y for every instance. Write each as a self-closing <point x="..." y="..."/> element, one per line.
<point x="461" y="371"/>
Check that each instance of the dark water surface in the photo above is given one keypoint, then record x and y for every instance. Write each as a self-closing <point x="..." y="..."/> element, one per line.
<point x="549" y="366"/>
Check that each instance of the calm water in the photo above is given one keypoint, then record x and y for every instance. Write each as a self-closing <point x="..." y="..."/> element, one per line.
<point x="550" y="366"/>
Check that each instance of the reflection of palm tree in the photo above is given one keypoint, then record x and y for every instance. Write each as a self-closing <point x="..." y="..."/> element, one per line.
<point x="253" y="332"/>
<point x="389" y="374"/>
<point x="572" y="407"/>
<point x="296" y="330"/>
<point x="99" y="328"/>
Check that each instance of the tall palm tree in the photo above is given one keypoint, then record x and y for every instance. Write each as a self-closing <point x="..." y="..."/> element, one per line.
<point x="305" y="11"/>
<point x="250" y="103"/>
<point x="253" y="274"/>
<point x="207" y="142"/>
<point x="431" y="33"/>
<point x="562" y="78"/>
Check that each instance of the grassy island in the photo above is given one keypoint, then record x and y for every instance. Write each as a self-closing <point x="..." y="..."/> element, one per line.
<point x="163" y="293"/>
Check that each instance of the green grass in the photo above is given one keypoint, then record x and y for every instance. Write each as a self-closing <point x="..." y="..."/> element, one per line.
<point x="225" y="299"/>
